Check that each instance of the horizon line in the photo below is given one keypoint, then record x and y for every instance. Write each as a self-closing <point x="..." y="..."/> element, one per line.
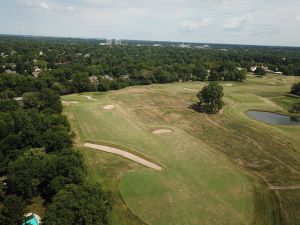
<point x="125" y="39"/>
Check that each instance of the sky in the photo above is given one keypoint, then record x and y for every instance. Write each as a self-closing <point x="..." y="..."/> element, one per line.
<point x="262" y="22"/>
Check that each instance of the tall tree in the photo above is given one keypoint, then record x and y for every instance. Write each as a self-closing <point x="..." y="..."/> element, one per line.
<point x="12" y="212"/>
<point x="296" y="89"/>
<point x="260" y="71"/>
<point x="79" y="204"/>
<point x="211" y="97"/>
<point x="200" y="72"/>
<point x="26" y="173"/>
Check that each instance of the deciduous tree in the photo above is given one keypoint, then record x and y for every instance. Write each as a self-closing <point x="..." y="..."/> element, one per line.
<point x="211" y="97"/>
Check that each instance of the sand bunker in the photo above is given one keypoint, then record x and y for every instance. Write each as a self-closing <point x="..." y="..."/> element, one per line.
<point x="109" y="107"/>
<point x="190" y="89"/>
<point x="162" y="131"/>
<point x="70" y="102"/>
<point x="271" y="83"/>
<point x="90" y="98"/>
<point x="229" y="85"/>
<point x="124" y="154"/>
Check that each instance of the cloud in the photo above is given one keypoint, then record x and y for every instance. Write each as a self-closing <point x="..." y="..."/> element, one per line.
<point x="238" y="23"/>
<point x="190" y="26"/>
<point x="230" y="21"/>
<point x="205" y="22"/>
<point x="70" y="8"/>
<point x="40" y="4"/>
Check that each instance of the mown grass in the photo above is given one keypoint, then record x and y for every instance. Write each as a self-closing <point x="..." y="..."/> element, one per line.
<point x="206" y="158"/>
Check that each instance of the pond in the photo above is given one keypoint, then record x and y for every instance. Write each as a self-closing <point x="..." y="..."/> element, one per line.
<point x="274" y="118"/>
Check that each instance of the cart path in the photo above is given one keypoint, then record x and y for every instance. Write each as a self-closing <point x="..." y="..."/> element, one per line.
<point x="124" y="154"/>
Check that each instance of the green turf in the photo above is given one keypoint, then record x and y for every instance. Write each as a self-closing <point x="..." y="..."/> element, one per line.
<point x="206" y="159"/>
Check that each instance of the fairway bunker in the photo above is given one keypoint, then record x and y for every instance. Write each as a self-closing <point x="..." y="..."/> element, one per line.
<point x="90" y="98"/>
<point x="109" y="107"/>
<point x="190" y="89"/>
<point x="162" y="131"/>
<point x="229" y="85"/>
<point x="124" y="154"/>
<point x="70" y="102"/>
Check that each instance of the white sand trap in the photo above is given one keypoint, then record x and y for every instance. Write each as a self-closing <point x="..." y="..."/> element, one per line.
<point x="90" y="98"/>
<point x="109" y="107"/>
<point x="190" y="89"/>
<point x="162" y="131"/>
<point x="124" y="154"/>
<point x="70" y="102"/>
<point x="229" y="85"/>
<point x="271" y="83"/>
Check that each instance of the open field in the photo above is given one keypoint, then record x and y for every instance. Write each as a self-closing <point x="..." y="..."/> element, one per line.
<point x="217" y="169"/>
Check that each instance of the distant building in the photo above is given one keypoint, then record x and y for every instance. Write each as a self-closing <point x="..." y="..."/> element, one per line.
<point x="108" y="42"/>
<point x="117" y="42"/>
<point x="18" y="99"/>
<point x="202" y="47"/>
<point x="113" y="42"/>
<point x="94" y="80"/>
<point x="279" y="73"/>
<point x="126" y="77"/>
<point x="184" y="46"/>
<point x="254" y="68"/>
<point x="36" y="71"/>
<point x="108" y="77"/>
<point x="9" y="71"/>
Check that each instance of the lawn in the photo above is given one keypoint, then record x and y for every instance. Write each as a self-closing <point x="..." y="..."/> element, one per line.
<point x="216" y="167"/>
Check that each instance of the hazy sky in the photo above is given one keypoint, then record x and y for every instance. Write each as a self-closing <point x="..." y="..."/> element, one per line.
<point x="270" y="22"/>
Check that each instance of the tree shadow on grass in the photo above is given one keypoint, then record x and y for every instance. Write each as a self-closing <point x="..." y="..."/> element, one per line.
<point x="197" y="107"/>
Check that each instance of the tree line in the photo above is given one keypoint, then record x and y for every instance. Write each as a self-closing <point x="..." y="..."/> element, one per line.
<point x="69" y="63"/>
<point x="37" y="159"/>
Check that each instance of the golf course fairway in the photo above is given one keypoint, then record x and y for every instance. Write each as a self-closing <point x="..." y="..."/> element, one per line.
<point x="216" y="169"/>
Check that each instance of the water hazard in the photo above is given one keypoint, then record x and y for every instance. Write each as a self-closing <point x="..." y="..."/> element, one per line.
<point x="274" y="118"/>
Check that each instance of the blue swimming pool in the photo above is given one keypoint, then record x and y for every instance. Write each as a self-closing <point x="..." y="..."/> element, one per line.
<point x="31" y="221"/>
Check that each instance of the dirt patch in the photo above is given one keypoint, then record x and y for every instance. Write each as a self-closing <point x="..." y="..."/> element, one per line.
<point x="124" y="154"/>
<point x="162" y="131"/>
<point x="109" y="107"/>
<point x="90" y="98"/>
